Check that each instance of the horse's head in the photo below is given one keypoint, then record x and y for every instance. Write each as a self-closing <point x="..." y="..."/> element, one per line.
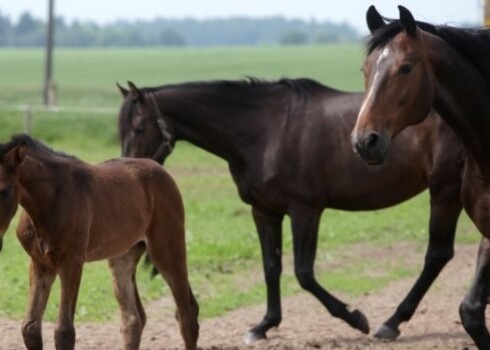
<point x="143" y="129"/>
<point x="399" y="87"/>
<point x="10" y="159"/>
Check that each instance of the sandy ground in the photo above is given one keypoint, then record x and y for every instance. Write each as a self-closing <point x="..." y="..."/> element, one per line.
<point x="306" y="325"/>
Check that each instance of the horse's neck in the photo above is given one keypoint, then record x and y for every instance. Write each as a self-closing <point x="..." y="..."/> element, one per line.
<point x="211" y="126"/>
<point x="462" y="99"/>
<point x="37" y="186"/>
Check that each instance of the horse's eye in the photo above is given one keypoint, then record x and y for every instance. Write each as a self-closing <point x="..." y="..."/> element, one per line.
<point x="139" y="129"/>
<point x="405" y="69"/>
<point x="6" y="193"/>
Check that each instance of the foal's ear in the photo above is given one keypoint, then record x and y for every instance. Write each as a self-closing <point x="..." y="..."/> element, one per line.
<point x="407" y="21"/>
<point x="123" y="90"/>
<point x="15" y="156"/>
<point x="374" y="19"/>
<point x="136" y="93"/>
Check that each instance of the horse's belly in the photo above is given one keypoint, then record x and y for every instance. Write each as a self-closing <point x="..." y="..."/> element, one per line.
<point x="105" y="246"/>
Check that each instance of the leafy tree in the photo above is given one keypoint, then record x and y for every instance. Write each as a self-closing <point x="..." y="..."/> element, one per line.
<point x="169" y="37"/>
<point x="294" y="37"/>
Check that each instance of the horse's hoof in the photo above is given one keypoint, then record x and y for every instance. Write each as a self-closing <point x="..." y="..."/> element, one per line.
<point x="386" y="333"/>
<point x="361" y="322"/>
<point x="252" y="337"/>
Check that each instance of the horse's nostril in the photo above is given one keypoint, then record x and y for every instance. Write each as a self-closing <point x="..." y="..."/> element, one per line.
<point x="372" y="140"/>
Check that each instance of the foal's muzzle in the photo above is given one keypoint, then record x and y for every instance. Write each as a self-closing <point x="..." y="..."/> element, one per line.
<point x="371" y="146"/>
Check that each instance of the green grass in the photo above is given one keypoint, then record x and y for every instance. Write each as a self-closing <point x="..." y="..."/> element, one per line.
<point x="224" y="253"/>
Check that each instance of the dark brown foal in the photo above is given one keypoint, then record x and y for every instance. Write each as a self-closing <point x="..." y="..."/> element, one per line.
<point x="74" y="213"/>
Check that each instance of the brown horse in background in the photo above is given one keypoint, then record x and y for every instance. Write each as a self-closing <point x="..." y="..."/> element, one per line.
<point x="287" y="144"/>
<point x="413" y="67"/>
<point x="74" y="213"/>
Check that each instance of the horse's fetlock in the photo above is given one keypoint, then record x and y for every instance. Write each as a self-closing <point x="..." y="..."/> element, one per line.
<point x="64" y="337"/>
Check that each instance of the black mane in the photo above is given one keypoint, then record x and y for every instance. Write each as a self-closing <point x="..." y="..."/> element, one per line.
<point x="471" y="43"/>
<point x="31" y="144"/>
<point x="299" y="86"/>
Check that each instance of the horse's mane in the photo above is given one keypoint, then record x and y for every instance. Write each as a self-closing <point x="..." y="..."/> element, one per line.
<point x="471" y="43"/>
<point x="32" y="144"/>
<point x="298" y="86"/>
<point x="302" y="87"/>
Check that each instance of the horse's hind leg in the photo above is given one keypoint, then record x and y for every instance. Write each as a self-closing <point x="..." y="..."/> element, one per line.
<point x="472" y="309"/>
<point x="168" y="253"/>
<point x="446" y="207"/>
<point x="40" y="282"/>
<point x="305" y="223"/>
<point x="133" y="315"/>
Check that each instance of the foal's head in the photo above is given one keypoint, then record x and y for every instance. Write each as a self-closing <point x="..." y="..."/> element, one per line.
<point x="398" y="81"/>
<point x="12" y="155"/>
<point x="142" y="126"/>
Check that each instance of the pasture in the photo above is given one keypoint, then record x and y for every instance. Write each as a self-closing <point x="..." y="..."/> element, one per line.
<point x="223" y="249"/>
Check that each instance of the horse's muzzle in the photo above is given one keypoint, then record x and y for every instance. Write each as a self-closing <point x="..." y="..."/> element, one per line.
<point x="371" y="146"/>
<point x="1" y="243"/>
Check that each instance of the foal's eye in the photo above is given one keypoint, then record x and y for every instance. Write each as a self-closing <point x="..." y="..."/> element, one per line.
<point x="405" y="69"/>
<point x="5" y="193"/>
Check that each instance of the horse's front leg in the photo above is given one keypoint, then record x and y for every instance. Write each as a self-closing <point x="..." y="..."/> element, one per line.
<point x="41" y="279"/>
<point x="472" y="309"/>
<point x="269" y="228"/>
<point x="446" y="207"/>
<point x="133" y="315"/>
<point x="70" y="273"/>
<point x="305" y="223"/>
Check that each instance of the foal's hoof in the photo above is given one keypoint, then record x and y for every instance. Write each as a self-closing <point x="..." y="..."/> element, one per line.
<point x="252" y="337"/>
<point x="360" y="321"/>
<point x="386" y="333"/>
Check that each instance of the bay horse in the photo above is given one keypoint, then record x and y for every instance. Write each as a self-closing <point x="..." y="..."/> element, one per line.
<point x="287" y="144"/>
<point x="74" y="213"/>
<point x="412" y="67"/>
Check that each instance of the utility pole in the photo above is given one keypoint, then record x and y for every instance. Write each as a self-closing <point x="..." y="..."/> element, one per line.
<point x="49" y="86"/>
<point x="486" y="13"/>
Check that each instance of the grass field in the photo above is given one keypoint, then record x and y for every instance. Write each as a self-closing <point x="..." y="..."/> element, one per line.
<point x="224" y="253"/>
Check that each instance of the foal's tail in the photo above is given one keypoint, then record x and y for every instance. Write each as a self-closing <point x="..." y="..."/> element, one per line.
<point x="147" y="262"/>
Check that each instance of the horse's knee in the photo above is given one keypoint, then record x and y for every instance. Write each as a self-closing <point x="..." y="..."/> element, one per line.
<point x="305" y="279"/>
<point x="64" y="337"/>
<point x="31" y="332"/>
<point x="472" y="316"/>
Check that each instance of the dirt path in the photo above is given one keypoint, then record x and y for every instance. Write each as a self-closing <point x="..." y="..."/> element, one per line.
<point x="306" y="325"/>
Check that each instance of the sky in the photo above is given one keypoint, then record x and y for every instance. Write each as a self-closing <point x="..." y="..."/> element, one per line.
<point x="452" y="12"/>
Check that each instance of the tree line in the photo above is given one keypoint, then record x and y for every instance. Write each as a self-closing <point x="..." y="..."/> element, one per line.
<point x="29" y="31"/>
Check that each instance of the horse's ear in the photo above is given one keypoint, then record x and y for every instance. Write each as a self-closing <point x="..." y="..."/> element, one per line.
<point x="123" y="90"/>
<point x="374" y="19"/>
<point x="136" y="93"/>
<point x="407" y="21"/>
<point x="15" y="156"/>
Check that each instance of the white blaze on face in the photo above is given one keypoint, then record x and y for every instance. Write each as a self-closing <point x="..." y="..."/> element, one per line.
<point x="369" y="96"/>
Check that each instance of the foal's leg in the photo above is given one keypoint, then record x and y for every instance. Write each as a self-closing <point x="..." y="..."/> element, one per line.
<point x="269" y="228"/>
<point x="70" y="273"/>
<point x="167" y="250"/>
<point x="305" y="222"/>
<point x="445" y="210"/>
<point x="133" y="316"/>
<point x="40" y="281"/>
<point x="472" y="309"/>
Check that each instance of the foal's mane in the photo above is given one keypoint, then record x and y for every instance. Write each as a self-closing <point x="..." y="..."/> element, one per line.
<point x="471" y="43"/>
<point x="32" y="144"/>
